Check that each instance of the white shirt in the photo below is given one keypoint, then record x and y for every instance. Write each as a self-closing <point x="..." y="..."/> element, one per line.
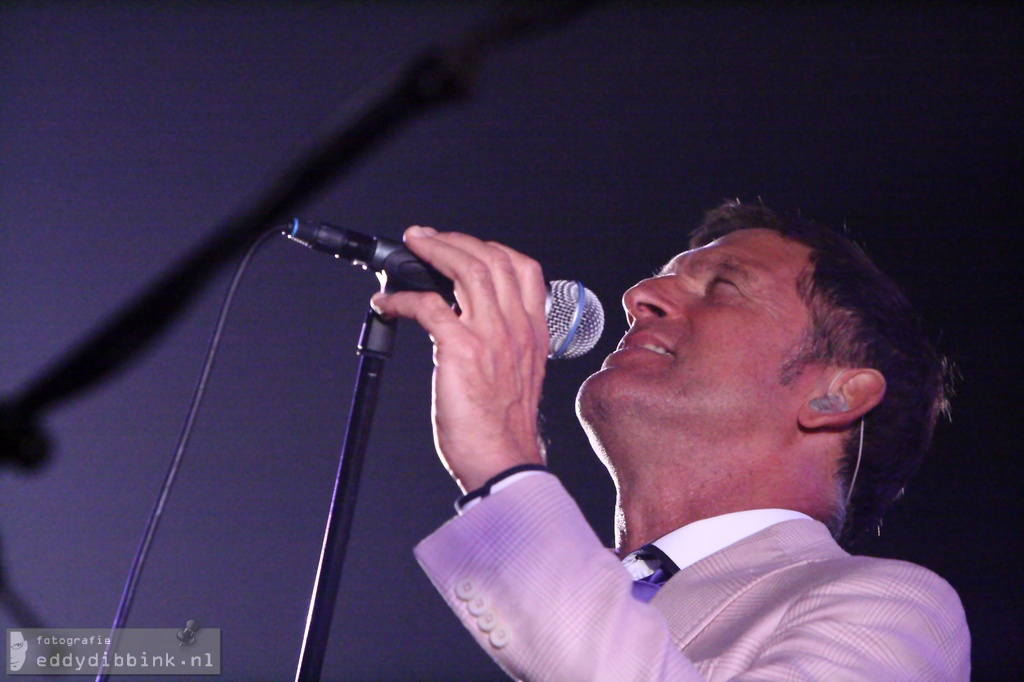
<point x="684" y="546"/>
<point x="691" y="543"/>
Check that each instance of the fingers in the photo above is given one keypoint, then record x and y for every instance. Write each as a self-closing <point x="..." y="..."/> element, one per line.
<point x="492" y="282"/>
<point x="497" y="288"/>
<point x="429" y="310"/>
<point x="532" y="288"/>
<point x="490" y="359"/>
<point x="531" y="294"/>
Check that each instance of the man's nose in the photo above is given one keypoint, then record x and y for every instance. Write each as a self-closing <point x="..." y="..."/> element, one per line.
<point x="654" y="297"/>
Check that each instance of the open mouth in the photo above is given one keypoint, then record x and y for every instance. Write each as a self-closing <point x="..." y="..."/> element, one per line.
<point x="657" y="349"/>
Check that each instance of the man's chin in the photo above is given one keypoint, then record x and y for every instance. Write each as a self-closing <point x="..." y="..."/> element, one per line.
<point x="605" y="393"/>
<point x="614" y="378"/>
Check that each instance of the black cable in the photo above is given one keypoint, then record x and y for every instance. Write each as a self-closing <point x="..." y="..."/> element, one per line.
<point x="131" y="584"/>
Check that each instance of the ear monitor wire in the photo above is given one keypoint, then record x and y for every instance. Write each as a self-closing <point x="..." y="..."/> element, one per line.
<point x="835" y="402"/>
<point x="856" y="468"/>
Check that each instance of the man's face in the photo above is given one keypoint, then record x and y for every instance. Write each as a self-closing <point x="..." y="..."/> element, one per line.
<point x="707" y="339"/>
<point x="19" y="648"/>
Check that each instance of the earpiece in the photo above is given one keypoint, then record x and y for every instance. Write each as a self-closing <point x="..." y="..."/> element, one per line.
<point x="833" y="402"/>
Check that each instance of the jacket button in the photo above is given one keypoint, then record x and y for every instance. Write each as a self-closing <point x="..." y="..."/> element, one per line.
<point x="465" y="589"/>
<point x="500" y="637"/>
<point x="487" y="621"/>
<point x="478" y="604"/>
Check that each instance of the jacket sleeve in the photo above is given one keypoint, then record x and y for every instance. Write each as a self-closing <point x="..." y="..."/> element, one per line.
<point x="532" y="583"/>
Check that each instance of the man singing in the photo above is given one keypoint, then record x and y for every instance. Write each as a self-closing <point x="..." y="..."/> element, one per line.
<point x="773" y="394"/>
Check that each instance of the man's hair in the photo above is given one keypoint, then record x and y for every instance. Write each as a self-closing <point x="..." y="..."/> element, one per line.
<point x="858" y="318"/>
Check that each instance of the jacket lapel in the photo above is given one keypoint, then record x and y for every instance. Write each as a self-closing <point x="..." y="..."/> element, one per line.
<point x="692" y="599"/>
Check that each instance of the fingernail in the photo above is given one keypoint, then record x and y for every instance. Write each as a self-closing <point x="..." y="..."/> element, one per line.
<point x="374" y="303"/>
<point x="420" y="231"/>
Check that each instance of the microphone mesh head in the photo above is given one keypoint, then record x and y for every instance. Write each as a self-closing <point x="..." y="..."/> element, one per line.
<point x="575" y="319"/>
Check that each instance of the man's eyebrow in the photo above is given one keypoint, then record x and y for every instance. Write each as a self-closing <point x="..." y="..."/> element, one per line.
<point x="727" y="265"/>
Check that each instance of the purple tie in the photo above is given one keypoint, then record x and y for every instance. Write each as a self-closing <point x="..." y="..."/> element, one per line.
<point x="644" y="589"/>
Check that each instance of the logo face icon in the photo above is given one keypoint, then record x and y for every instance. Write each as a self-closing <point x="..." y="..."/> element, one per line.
<point x="188" y="635"/>
<point x="19" y="649"/>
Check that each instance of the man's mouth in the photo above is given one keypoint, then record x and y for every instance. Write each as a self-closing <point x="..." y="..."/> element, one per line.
<point x="657" y="349"/>
<point x="648" y="343"/>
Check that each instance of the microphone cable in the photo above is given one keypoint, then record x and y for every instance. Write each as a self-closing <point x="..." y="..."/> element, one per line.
<point x="131" y="584"/>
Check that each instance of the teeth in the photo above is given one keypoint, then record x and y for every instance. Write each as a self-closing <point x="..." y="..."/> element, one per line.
<point x="656" y="349"/>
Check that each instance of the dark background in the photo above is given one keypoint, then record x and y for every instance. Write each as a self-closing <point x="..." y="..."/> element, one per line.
<point x="129" y="130"/>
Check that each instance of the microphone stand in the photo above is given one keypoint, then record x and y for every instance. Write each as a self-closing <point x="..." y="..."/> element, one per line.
<point x="375" y="344"/>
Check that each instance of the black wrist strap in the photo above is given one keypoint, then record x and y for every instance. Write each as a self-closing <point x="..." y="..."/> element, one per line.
<point x="485" y="489"/>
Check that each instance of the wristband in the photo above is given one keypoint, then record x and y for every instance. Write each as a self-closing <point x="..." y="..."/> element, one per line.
<point x="474" y="496"/>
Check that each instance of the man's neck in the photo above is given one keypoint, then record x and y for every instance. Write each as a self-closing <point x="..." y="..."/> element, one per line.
<point x="646" y="512"/>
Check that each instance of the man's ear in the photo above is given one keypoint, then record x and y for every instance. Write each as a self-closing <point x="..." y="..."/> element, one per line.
<point x="851" y="394"/>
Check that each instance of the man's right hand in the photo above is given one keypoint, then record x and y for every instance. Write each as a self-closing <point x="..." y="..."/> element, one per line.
<point x="489" y="358"/>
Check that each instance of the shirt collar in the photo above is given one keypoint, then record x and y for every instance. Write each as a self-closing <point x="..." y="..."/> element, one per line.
<point x="691" y="543"/>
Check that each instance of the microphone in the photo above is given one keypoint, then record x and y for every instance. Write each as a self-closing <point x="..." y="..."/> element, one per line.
<point x="574" y="314"/>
